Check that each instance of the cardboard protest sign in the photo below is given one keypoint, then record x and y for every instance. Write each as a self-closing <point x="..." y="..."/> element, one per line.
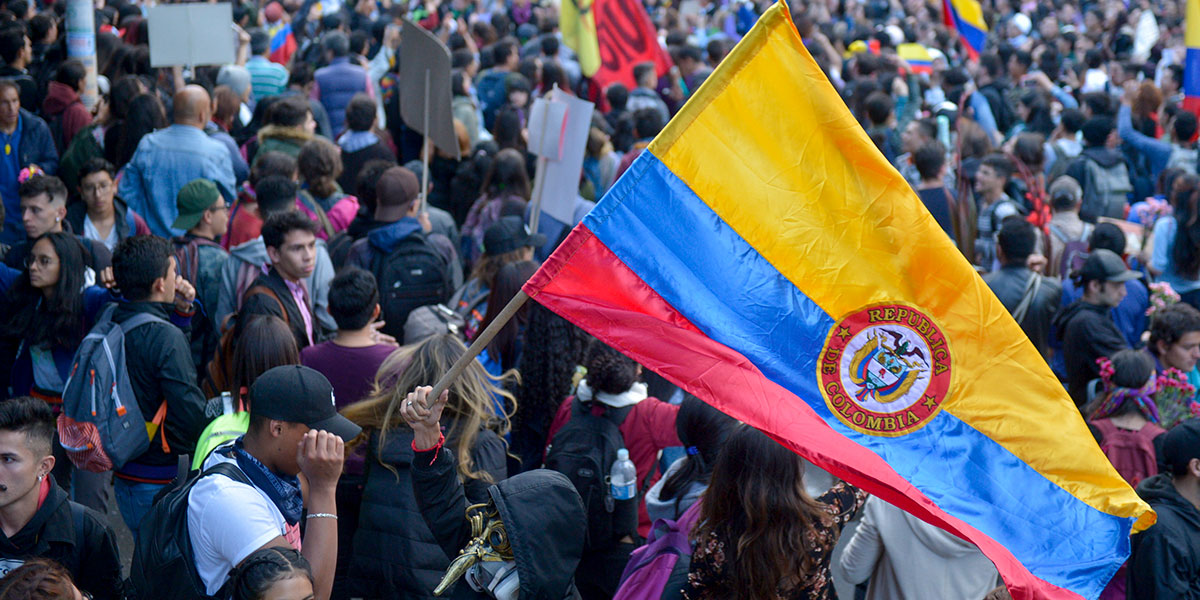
<point x="560" y="183"/>
<point x="425" y="87"/>
<point x="191" y="34"/>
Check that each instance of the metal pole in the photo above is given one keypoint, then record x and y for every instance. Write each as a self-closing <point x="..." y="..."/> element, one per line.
<point x="81" y="45"/>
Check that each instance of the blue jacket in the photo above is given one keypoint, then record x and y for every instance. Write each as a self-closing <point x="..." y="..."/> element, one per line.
<point x="1157" y="152"/>
<point x="336" y="85"/>
<point x="164" y="162"/>
<point x="94" y="298"/>
<point x="37" y="145"/>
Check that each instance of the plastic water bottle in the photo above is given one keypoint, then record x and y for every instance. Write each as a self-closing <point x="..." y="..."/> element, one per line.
<point x="623" y="477"/>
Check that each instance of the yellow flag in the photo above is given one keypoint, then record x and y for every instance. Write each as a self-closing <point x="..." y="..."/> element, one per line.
<point x="578" y="24"/>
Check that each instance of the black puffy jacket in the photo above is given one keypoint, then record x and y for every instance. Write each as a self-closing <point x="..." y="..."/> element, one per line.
<point x="394" y="553"/>
<point x="1166" y="557"/>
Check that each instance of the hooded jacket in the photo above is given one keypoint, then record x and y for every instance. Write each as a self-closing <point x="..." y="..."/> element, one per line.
<point x="542" y="513"/>
<point x="90" y="555"/>
<point x="1166" y="557"/>
<point x="244" y="266"/>
<point x="390" y="517"/>
<point x="64" y="101"/>
<point x="276" y="138"/>
<point x="1087" y="332"/>
<point x="905" y="557"/>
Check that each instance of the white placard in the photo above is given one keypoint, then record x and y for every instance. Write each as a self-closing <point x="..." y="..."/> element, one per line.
<point x="192" y="34"/>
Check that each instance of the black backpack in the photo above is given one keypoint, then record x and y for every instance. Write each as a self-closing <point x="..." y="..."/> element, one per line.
<point x="414" y="274"/>
<point x="584" y="450"/>
<point x="164" y="566"/>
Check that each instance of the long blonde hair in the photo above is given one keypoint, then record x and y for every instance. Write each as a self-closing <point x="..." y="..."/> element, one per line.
<point x="471" y="405"/>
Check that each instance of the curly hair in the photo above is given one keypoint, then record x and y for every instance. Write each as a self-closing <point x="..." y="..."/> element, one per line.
<point x="1171" y="324"/>
<point x="609" y="371"/>
<point x="553" y="349"/>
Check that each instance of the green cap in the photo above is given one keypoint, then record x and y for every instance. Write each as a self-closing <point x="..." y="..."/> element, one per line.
<point x="194" y="198"/>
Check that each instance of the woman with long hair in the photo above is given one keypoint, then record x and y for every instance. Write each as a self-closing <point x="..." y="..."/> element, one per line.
<point x="505" y="349"/>
<point x="760" y="535"/>
<point x="1176" y="253"/>
<point x="388" y="517"/>
<point x="702" y="429"/>
<point x="505" y="192"/>
<point x="49" y="310"/>
<point x="553" y="352"/>
<point x="145" y="115"/>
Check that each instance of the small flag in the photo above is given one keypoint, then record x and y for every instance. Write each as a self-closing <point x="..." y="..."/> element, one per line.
<point x="966" y="17"/>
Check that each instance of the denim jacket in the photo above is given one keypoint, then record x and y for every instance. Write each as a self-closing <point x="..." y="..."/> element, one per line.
<point x="165" y="161"/>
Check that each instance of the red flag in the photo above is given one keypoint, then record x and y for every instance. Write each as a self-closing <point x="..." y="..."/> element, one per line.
<point x="626" y="37"/>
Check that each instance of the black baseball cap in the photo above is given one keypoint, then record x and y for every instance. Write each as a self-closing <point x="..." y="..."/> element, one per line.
<point x="1181" y="444"/>
<point x="299" y="394"/>
<point x="508" y="234"/>
<point x="1105" y="265"/>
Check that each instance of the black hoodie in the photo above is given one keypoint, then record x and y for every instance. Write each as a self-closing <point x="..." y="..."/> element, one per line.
<point x="90" y="556"/>
<point x="1166" y="557"/>
<point x="1087" y="332"/>
<point x="542" y="514"/>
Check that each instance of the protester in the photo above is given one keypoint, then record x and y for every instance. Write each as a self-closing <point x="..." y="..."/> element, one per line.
<point x="43" y="210"/>
<point x="1101" y="172"/>
<point x="1130" y="314"/>
<point x="290" y="240"/>
<point x="30" y="146"/>
<point x="1166" y="557"/>
<point x="320" y="167"/>
<point x="1086" y="327"/>
<point x="352" y="357"/>
<point x="62" y="107"/>
<point x="1031" y="298"/>
<point x="266" y="78"/>
<point x="505" y="192"/>
<point x="702" y="430"/>
<point x="1176" y="256"/>
<point x="930" y="161"/>
<point x="359" y="145"/>
<point x="199" y="259"/>
<point x="1067" y="230"/>
<point x="739" y="551"/>
<point x="273" y="573"/>
<point x="160" y="366"/>
<point x="245" y="217"/>
<point x="473" y="430"/>
<point x="102" y="216"/>
<point x="39" y="579"/>
<point x="994" y="205"/>
<point x="337" y="82"/>
<point x="167" y="160"/>
<point x="1174" y="343"/>
<point x="504" y="351"/>
<point x="294" y="430"/>
<point x="38" y="519"/>
<point x="289" y="125"/>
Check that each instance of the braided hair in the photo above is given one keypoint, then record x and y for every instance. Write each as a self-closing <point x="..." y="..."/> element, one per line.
<point x="266" y="567"/>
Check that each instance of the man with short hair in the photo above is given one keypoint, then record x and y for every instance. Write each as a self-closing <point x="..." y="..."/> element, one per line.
<point x="939" y="200"/>
<point x="1175" y="344"/>
<point x="647" y="123"/>
<point x="336" y="83"/>
<point x="489" y="87"/>
<point x="1101" y="171"/>
<point x="301" y="83"/>
<point x="359" y="145"/>
<point x="161" y="370"/>
<point x="168" y="159"/>
<point x="290" y="239"/>
<point x="294" y="429"/>
<point x="994" y="205"/>
<point x="1086" y="327"/>
<point x="37" y="518"/>
<point x="914" y="136"/>
<point x="1165" y="559"/>
<point x="27" y="143"/>
<point x="63" y="108"/>
<point x="1065" y="225"/>
<point x="289" y="125"/>
<point x="1030" y="298"/>
<point x="204" y="215"/>
<point x="102" y="216"/>
<point x="44" y="210"/>
<point x="645" y="75"/>
<point x="1064" y="145"/>
<point x="1130" y="314"/>
<point x="16" y="51"/>
<point x="266" y="78"/>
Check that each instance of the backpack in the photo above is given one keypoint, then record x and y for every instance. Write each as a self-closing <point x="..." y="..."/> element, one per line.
<point x="1074" y="251"/>
<point x="219" y="372"/>
<point x="430" y="320"/>
<point x="164" y="564"/>
<point x="414" y="274"/>
<point x="1106" y="192"/>
<point x="1132" y="453"/>
<point x="1183" y="158"/>
<point x="658" y="570"/>
<point x="101" y="426"/>
<point x="584" y="450"/>
<point x="55" y="124"/>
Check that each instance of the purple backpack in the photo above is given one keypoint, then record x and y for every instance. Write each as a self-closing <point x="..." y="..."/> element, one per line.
<point x="658" y="570"/>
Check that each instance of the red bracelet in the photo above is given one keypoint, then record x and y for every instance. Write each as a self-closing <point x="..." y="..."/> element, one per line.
<point x="436" y="447"/>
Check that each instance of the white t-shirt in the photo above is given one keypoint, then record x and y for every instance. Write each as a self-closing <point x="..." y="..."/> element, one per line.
<point x="228" y="521"/>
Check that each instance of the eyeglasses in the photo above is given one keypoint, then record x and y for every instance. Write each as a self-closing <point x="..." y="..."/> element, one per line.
<point x="96" y="189"/>
<point x="42" y="261"/>
<point x="221" y="206"/>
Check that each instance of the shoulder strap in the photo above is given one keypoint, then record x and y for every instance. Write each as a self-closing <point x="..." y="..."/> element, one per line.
<point x="1087" y="232"/>
<point x="138" y="320"/>
<point x="255" y="290"/>
<point x="1031" y="290"/>
<point x="229" y="470"/>
<point x="323" y="219"/>
<point x="1057" y="232"/>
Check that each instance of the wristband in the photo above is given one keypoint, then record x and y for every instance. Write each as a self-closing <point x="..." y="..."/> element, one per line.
<point x="436" y="447"/>
<point x="322" y="516"/>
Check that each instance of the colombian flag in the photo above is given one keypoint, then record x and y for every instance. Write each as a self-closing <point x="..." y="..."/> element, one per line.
<point x="578" y="23"/>
<point x="917" y="57"/>
<point x="283" y="44"/>
<point x="1191" y="65"/>
<point x="763" y="255"/>
<point x="966" y="17"/>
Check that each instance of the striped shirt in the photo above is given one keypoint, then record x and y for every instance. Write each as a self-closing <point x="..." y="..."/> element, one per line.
<point x="266" y="77"/>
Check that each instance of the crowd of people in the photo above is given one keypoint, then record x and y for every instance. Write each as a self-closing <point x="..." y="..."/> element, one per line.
<point x="284" y="266"/>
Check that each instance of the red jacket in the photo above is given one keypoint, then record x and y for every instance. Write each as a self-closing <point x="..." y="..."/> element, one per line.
<point x="647" y="429"/>
<point x="61" y="99"/>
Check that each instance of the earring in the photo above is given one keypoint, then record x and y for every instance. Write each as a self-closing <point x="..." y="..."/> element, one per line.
<point x="41" y="477"/>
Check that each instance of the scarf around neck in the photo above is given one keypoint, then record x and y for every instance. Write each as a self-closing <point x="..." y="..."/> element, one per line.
<point x="283" y="491"/>
<point x="636" y="393"/>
